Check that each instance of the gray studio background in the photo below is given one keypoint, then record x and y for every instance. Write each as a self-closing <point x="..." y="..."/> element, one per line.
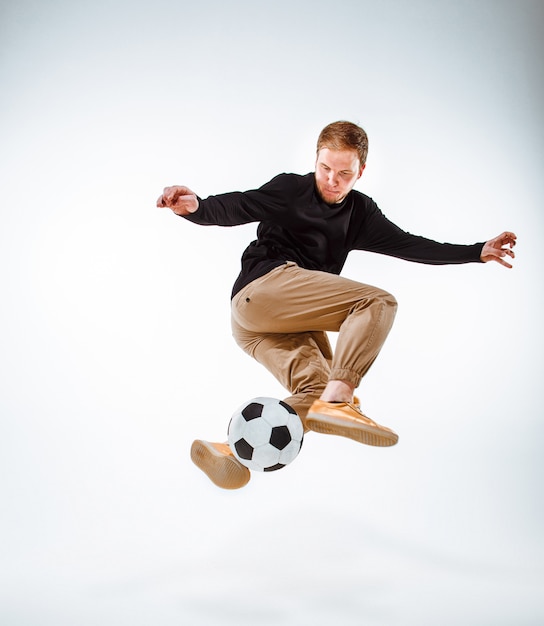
<point x="115" y="341"/>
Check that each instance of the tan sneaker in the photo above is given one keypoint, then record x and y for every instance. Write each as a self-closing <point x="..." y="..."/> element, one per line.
<point x="347" y="420"/>
<point x="219" y="464"/>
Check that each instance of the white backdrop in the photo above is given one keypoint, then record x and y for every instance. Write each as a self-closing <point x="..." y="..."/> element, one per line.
<point x="116" y="350"/>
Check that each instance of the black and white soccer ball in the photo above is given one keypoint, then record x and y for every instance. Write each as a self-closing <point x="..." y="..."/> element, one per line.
<point x="265" y="434"/>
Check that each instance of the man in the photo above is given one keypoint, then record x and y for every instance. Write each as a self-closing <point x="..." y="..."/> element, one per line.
<point x="289" y="294"/>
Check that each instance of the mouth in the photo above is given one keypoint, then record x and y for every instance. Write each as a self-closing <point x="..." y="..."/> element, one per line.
<point x="330" y="197"/>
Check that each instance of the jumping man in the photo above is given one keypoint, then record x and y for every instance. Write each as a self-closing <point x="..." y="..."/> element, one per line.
<point x="289" y="292"/>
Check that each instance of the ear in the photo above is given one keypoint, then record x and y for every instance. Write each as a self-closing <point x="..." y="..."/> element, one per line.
<point x="361" y="171"/>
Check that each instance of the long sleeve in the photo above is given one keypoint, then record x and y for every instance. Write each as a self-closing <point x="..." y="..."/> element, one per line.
<point x="295" y="224"/>
<point x="378" y="234"/>
<point x="267" y="203"/>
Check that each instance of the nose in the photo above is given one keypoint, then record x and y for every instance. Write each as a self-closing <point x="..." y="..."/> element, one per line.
<point x="331" y="179"/>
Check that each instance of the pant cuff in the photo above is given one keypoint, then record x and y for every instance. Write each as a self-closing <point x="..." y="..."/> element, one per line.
<point x="348" y="375"/>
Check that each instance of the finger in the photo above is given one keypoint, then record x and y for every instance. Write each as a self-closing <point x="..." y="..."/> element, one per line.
<point x="180" y="199"/>
<point x="510" y="238"/>
<point x="499" y="258"/>
<point x="506" y="251"/>
<point x="160" y="202"/>
<point x="170" y="194"/>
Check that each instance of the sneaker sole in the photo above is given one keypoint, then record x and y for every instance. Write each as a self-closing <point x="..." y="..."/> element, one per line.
<point x="361" y="432"/>
<point x="224" y="471"/>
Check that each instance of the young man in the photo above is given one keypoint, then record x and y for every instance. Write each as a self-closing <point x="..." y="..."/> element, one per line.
<point x="289" y="294"/>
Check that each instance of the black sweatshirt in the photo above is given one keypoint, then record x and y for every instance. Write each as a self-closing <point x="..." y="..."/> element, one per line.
<point x="297" y="225"/>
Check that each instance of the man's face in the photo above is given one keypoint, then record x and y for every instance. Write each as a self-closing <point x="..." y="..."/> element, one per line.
<point x="336" y="171"/>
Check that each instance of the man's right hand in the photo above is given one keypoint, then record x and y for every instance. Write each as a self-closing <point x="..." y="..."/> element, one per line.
<point x="180" y="199"/>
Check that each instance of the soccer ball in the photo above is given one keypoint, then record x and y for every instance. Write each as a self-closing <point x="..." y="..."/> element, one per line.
<point x="265" y="434"/>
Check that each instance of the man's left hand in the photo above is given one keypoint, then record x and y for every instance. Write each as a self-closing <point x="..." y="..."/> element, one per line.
<point x="498" y="248"/>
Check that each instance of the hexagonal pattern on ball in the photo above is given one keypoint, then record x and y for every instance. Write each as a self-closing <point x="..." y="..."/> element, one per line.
<point x="265" y="434"/>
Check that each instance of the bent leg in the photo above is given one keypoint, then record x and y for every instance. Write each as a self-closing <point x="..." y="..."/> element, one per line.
<point x="299" y="361"/>
<point x="291" y="300"/>
<point x="362" y="335"/>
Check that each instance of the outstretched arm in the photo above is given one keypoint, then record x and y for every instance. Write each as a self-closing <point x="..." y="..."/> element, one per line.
<point x="273" y="200"/>
<point x="180" y="199"/>
<point x="499" y="247"/>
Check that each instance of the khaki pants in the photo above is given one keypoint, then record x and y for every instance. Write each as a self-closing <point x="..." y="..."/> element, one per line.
<point x="281" y="320"/>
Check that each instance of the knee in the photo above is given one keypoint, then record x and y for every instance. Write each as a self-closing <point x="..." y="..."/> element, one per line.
<point x="390" y="301"/>
<point x="389" y="304"/>
<point x="382" y="300"/>
<point x="382" y="306"/>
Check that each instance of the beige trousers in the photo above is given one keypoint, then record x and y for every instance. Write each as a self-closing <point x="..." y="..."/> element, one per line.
<point x="282" y="318"/>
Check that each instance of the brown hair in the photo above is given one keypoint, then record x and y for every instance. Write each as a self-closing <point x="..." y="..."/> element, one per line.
<point x="344" y="136"/>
